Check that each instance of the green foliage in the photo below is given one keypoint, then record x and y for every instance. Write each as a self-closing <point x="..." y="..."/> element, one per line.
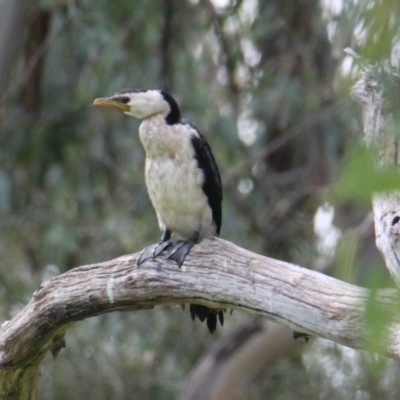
<point x="346" y="259"/>
<point x="377" y="320"/>
<point x="361" y="177"/>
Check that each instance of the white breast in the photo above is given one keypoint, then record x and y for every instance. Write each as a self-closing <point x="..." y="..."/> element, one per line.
<point x="173" y="179"/>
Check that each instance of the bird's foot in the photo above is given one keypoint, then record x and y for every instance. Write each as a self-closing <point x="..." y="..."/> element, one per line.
<point x="179" y="250"/>
<point x="153" y="251"/>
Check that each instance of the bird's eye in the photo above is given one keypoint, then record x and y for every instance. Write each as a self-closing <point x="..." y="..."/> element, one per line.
<point x="124" y="100"/>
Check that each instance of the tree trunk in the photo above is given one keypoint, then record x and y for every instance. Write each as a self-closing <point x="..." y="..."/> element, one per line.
<point x="380" y="135"/>
<point x="13" y="16"/>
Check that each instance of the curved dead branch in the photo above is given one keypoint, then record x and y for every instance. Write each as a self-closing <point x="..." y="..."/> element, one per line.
<point x="217" y="273"/>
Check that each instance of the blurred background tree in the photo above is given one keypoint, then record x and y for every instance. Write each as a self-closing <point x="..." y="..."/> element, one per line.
<point x="268" y="84"/>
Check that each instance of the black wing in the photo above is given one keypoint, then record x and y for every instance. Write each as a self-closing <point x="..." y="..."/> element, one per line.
<point x="212" y="186"/>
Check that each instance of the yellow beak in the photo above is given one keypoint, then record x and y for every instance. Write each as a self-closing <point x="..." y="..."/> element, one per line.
<point x="110" y="102"/>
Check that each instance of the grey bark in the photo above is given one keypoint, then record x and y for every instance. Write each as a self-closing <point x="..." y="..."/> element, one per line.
<point x="216" y="273"/>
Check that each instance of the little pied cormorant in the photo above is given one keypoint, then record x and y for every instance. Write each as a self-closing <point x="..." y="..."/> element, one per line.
<point x="181" y="175"/>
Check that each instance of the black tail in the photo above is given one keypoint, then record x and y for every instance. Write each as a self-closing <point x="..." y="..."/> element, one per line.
<point x="204" y="313"/>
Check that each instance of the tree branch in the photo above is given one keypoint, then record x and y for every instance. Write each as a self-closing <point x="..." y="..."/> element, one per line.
<point x="216" y="273"/>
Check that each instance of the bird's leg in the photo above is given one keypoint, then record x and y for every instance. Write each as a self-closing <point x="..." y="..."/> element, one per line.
<point x="180" y="248"/>
<point x="163" y="243"/>
<point x="155" y="249"/>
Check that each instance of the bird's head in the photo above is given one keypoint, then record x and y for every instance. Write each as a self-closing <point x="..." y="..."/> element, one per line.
<point x="143" y="103"/>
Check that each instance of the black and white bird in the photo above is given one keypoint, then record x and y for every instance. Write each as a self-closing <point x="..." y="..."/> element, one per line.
<point x="182" y="178"/>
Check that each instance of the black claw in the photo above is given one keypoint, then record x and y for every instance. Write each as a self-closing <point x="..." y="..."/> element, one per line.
<point x="178" y="257"/>
<point x="145" y="254"/>
<point x="179" y="250"/>
<point x="152" y="251"/>
<point x="176" y="251"/>
<point x="160" y="248"/>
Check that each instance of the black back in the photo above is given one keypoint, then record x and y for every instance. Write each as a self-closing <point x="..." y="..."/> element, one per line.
<point x="212" y="185"/>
